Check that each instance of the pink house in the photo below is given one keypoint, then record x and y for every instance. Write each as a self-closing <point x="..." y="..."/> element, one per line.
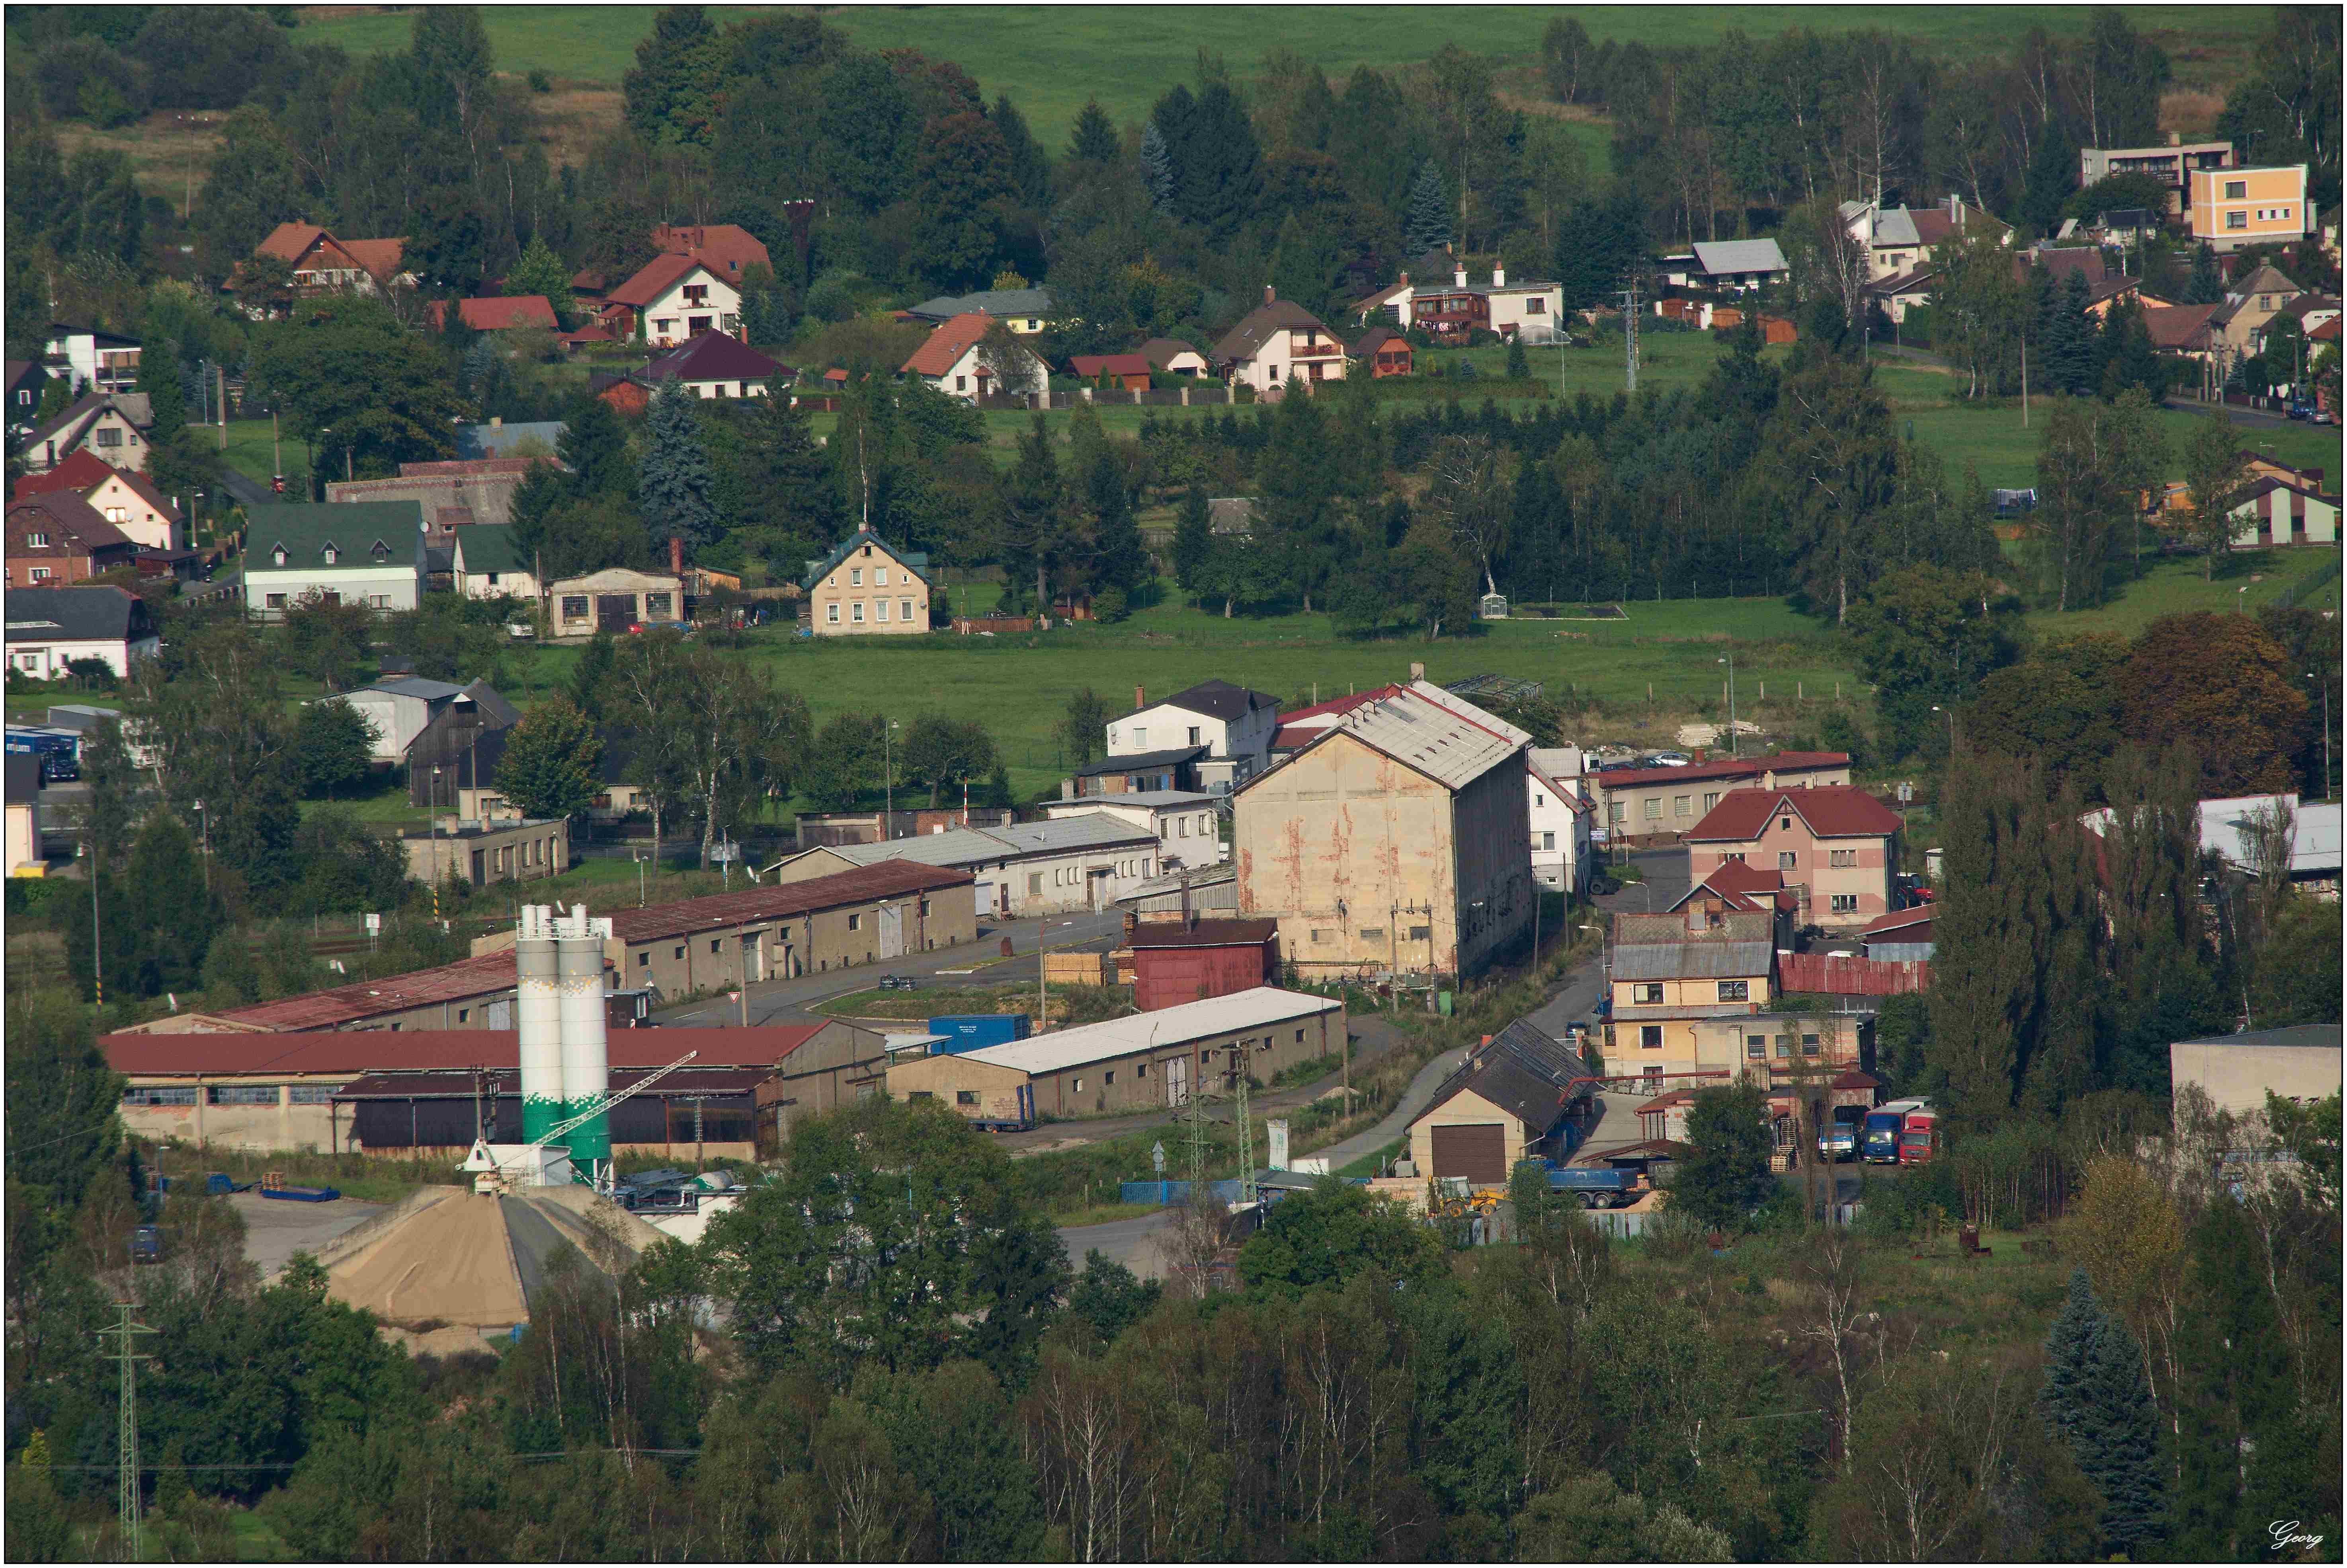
<point x="1835" y="846"/>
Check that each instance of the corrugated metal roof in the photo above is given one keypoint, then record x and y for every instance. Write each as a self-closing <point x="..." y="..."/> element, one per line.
<point x="862" y="885"/>
<point x="1482" y="718"/>
<point x="1260" y="1008"/>
<point x="1203" y="934"/>
<point x="1432" y="739"/>
<point x="1148" y="797"/>
<point x="696" y="1082"/>
<point x="468" y="978"/>
<point x="1741" y="255"/>
<point x="2320" y="1036"/>
<point x="1827" y="974"/>
<point x="972" y="847"/>
<point x="1693" y="961"/>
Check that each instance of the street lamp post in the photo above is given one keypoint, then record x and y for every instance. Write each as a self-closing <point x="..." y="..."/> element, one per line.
<point x="2325" y="685"/>
<point x="888" y="771"/>
<point x="1950" y="713"/>
<point x="97" y="936"/>
<point x="204" y="825"/>
<point x="1730" y="662"/>
<point x="434" y="807"/>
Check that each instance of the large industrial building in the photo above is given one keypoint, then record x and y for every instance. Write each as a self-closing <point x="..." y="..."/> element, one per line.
<point x="1078" y="863"/>
<point x="1129" y="1063"/>
<point x="1398" y="840"/>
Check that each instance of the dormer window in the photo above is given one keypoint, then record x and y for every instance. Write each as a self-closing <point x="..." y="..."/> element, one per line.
<point x="332" y="555"/>
<point x="278" y="555"/>
<point x="381" y="552"/>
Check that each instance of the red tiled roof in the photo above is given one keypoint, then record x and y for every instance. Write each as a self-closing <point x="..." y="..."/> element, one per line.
<point x="1829" y="811"/>
<point x="2178" y="326"/>
<point x="482" y="975"/>
<point x="358" y="1051"/>
<point x="1900" y="919"/>
<point x="658" y="276"/>
<point x="468" y="467"/>
<point x="1742" y="886"/>
<point x="288" y="243"/>
<point x="1335" y="706"/>
<point x="1089" y="365"/>
<point x="948" y="343"/>
<point x="728" y="250"/>
<point x="2327" y="332"/>
<point x="380" y="257"/>
<point x="882" y="879"/>
<point x="1726" y="768"/>
<point x="497" y="314"/>
<point x="82" y="472"/>
<point x="1823" y="972"/>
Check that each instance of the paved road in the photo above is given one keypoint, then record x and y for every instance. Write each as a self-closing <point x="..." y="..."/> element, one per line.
<point x="1133" y="1243"/>
<point x="793" y="1001"/>
<point x="2250" y="418"/>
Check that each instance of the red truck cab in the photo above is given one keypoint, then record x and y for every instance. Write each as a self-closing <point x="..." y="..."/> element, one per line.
<point x="1919" y="1138"/>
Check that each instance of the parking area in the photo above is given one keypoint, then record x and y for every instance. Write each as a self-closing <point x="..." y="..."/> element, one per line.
<point x="274" y="1229"/>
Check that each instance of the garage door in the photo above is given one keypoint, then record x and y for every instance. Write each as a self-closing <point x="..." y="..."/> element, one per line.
<point x="1479" y="1152"/>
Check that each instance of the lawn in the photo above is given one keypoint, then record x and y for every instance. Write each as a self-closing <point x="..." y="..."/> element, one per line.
<point x="2244" y="583"/>
<point x="1053" y="59"/>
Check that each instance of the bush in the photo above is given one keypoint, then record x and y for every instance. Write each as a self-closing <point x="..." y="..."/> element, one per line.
<point x="832" y="298"/>
<point x="539" y="82"/>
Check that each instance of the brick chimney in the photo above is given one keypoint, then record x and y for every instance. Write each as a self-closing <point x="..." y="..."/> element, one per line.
<point x="676" y="554"/>
<point x="1459" y="278"/>
<point x="1405" y="280"/>
<point x="1140" y="699"/>
<point x="1499" y="277"/>
<point x="1267" y="295"/>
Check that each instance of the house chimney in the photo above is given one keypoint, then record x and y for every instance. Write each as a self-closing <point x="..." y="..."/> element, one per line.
<point x="1140" y="699"/>
<point x="1459" y="278"/>
<point x="496" y="421"/>
<point x="1267" y="295"/>
<point x="676" y="554"/>
<point x="1405" y="280"/>
<point x="1499" y="277"/>
<point x="1417" y="673"/>
<point x="2176" y="138"/>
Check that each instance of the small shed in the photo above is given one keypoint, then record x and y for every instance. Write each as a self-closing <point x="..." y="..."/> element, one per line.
<point x="1129" y="371"/>
<point x="1189" y="961"/>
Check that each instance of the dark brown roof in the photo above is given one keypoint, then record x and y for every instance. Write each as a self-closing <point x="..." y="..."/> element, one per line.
<point x="65" y="517"/>
<point x="1204" y="933"/>
<point x="455" y="1051"/>
<point x="882" y="879"/>
<point x="1216" y="699"/>
<point x="712" y="357"/>
<point x="1259" y="323"/>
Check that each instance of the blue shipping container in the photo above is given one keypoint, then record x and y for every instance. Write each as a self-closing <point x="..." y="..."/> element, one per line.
<point x="970" y="1031"/>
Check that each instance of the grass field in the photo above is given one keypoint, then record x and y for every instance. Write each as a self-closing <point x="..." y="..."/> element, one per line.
<point x="1052" y="59"/>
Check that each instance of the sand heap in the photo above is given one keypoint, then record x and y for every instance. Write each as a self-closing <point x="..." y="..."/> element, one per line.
<point x="450" y="1261"/>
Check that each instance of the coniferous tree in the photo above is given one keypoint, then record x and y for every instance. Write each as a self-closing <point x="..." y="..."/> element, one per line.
<point x="2097" y="1399"/>
<point x="1156" y="168"/>
<point x="1427" y="227"/>
<point x="1119" y="558"/>
<point x="1193" y="541"/>
<point x="1984" y="968"/>
<point x="793" y="470"/>
<point x="159" y="378"/>
<point x="677" y="477"/>
<point x="1031" y="508"/>
<point x="2206" y="286"/>
<point x="1094" y="140"/>
<point x="2070" y="340"/>
<point x="594" y="446"/>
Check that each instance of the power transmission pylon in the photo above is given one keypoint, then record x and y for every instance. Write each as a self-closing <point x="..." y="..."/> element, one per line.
<point x="127" y="1357"/>
<point x="1246" y="1129"/>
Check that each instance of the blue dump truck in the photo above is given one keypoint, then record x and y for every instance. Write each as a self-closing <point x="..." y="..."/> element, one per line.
<point x="1595" y="1186"/>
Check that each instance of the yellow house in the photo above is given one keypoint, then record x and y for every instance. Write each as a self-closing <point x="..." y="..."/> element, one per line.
<point x="1685" y="986"/>
<point x="2231" y="208"/>
<point x="865" y="587"/>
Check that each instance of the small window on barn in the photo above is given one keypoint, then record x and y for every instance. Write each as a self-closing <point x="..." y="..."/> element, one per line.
<point x="856" y="922"/>
<point x="680" y="950"/>
<point x="965" y="1096"/>
<point x="1111" y="1076"/>
<point x="1078" y="1086"/>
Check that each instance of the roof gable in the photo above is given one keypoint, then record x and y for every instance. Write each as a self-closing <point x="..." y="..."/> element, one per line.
<point x="948" y="343"/>
<point x="713" y="357"/>
<point x="657" y="277"/>
<point x="914" y="561"/>
<point x="1258" y="326"/>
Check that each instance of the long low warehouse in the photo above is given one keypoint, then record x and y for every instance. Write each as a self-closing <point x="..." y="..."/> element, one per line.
<point x="1130" y="1063"/>
<point x="374" y="1092"/>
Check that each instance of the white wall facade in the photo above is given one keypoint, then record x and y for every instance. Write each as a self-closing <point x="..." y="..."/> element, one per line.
<point x="268" y="590"/>
<point x="47" y="660"/>
<point x="1185" y="829"/>
<point x="676" y="315"/>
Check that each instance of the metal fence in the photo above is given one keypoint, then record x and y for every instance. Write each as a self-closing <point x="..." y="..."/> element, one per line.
<point x="2297" y="590"/>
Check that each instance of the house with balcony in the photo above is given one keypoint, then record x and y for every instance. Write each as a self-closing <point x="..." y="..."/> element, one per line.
<point x="1234" y="724"/>
<point x="110" y="425"/>
<point x="91" y="360"/>
<point x="323" y="263"/>
<point x="1274" y="341"/>
<point x="1528" y="308"/>
<point x="672" y="300"/>
<point x="1728" y="266"/>
<point x="1835" y="846"/>
<point x="2173" y="165"/>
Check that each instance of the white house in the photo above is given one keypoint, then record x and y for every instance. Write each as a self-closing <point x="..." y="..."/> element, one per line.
<point x="112" y="425"/>
<point x="1902" y="239"/>
<point x="715" y="365"/>
<point x="677" y="298"/>
<point x="956" y="360"/>
<point x="1085" y="862"/>
<point x="487" y="564"/>
<point x="1737" y="266"/>
<point x="1527" y="309"/>
<point x="1235" y="726"/>
<point x="1277" y="339"/>
<point x="360" y="552"/>
<point x="1562" y="813"/>
<point x="1182" y="820"/>
<point x="92" y="360"/>
<point x="49" y="628"/>
<point x="146" y="517"/>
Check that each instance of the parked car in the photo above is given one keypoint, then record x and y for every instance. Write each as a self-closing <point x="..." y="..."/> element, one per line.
<point x="147" y="1245"/>
<point x="2297" y="410"/>
<point x="898" y="983"/>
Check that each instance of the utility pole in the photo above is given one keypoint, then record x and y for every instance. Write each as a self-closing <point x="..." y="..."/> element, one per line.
<point x="1248" y="1193"/>
<point x="1629" y="298"/>
<point x="127" y="1358"/>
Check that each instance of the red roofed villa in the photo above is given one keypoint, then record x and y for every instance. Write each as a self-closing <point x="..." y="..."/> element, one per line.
<point x="1836" y="845"/>
<point x="956" y="362"/>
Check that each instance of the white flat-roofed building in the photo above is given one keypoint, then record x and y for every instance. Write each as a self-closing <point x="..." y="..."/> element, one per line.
<point x="1129" y="1063"/>
<point x="1182" y="820"/>
<point x="1085" y="862"/>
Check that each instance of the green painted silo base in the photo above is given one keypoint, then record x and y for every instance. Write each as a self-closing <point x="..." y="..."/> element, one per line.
<point x="589" y="1141"/>
<point x="539" y="1117"/>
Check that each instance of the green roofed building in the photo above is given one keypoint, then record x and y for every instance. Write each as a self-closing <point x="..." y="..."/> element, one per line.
<point x="355" y="552"/>
<point x="488" y="564"/>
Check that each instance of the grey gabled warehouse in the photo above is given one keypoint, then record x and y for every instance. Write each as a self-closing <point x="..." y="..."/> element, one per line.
<point x="1132" y="1063"/>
